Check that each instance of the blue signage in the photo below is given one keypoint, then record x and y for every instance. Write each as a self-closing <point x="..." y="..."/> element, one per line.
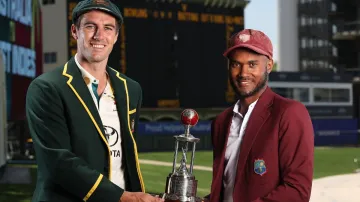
<point x="172" y="128"/>
<point x="328" y="132"/>
<point x="335" y="132"/>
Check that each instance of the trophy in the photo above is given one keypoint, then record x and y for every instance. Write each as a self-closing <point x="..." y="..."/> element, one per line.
<point x="181" y="185"/>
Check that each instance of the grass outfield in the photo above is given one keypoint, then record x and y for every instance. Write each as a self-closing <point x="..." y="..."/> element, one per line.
<point x="328" y="161"/>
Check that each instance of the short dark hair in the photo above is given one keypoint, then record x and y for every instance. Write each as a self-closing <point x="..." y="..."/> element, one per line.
<point x="77" y="22"/>
<point x="244" y="48"/>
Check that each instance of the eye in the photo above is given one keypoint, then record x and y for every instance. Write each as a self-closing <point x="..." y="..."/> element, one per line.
<point x="108" y="28"/>
<point x="234" y="64"/>
<point x="252" y="64"/>
<point x="90" y="27"/>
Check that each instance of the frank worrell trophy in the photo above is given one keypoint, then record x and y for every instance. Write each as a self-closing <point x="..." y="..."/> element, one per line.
<point x="181" y="184"/>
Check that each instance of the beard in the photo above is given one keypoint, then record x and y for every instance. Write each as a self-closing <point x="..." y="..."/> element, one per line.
<point x="245" y="94"/>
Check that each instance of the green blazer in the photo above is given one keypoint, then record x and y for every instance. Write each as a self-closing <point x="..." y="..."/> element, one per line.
<point x="72" y="154"/>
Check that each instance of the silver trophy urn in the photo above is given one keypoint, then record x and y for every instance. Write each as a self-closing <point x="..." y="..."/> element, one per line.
<point x="181" y="184"/>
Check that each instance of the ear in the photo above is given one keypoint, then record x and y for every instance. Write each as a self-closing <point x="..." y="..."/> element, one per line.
<point x="74" y="32"/>
<point x="269" y="65"/>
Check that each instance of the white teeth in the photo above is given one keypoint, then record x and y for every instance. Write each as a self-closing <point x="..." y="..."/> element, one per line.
<point x="98" y="46"/>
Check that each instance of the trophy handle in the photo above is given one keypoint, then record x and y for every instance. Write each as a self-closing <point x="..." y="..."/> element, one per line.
<point x="168" y="185"/>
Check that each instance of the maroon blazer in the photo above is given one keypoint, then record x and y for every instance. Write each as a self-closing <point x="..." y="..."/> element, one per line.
<point x="276" y="155"/>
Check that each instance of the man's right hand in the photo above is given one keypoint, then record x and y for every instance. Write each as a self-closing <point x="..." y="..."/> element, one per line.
<point x="206" y="198"/>
<point x="139" y="197"/>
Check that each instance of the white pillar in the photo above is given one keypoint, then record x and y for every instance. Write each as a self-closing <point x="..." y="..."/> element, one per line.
<point x="55" y="33"/>
<point x="288" y="36"/>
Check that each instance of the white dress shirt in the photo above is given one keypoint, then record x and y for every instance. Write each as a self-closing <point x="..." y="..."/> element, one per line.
<point x="237" y="129"/>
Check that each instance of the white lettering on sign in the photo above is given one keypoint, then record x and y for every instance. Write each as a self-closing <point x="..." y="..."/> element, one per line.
<point x="18" y="60"/>
<point x="17" y="10"/>
<point x="23" y="61"/>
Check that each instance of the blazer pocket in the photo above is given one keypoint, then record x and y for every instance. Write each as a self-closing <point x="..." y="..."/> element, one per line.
<point x="132" y="111"/>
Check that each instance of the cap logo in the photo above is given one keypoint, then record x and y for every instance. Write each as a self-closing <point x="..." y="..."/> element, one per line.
<point x="103" y="2"/>
<point x="244" y="37"/>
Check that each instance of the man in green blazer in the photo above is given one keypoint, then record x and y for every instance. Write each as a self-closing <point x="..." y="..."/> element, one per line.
<point x="83" y="117"/>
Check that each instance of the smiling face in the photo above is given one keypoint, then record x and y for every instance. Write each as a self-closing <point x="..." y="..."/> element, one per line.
<point x="96" y="35"/>
<point x="248" y="73"/>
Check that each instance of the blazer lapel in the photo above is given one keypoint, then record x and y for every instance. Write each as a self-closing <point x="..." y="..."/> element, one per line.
<point x="226" y="129"/>
<point x="122" y="103"/>
<point x="219" y="163"/>
<point x="77" y="85"/>
<point x="119" y="89"/>
<point x="258" y="117"/>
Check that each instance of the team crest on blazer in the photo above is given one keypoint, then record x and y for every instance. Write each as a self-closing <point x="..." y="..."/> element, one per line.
<point x="259" y="167"/>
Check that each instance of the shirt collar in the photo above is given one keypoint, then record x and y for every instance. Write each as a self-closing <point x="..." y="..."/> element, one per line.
<point x="88" y="78"/>
<point x="237" y="106"/>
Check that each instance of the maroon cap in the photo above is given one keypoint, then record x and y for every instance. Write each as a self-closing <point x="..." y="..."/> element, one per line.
<point x="252" y="39"/>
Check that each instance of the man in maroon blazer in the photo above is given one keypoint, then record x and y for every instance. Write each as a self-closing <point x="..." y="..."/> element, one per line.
<point x="264" y="144"/>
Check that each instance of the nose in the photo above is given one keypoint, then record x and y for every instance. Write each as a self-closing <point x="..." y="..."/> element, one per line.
<point x="98" y="35"/>
<point x="244" y="71"/>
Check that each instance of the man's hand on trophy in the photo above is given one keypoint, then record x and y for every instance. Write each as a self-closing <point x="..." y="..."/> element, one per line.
<point x="206" y="198"/>
<point x="139" y="197"/>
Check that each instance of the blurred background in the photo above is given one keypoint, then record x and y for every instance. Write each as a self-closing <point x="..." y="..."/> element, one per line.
<point x="173" y="48"/>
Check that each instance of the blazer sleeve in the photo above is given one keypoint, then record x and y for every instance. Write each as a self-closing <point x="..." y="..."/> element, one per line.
<point x="48" y="128"/>
<point x="296" y="156"/>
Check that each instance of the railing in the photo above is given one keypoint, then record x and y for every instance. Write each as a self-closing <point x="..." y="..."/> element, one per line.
<point x="349" y="26"/>
<point x="353" y="71"/>
<point x="347" y="30"/>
